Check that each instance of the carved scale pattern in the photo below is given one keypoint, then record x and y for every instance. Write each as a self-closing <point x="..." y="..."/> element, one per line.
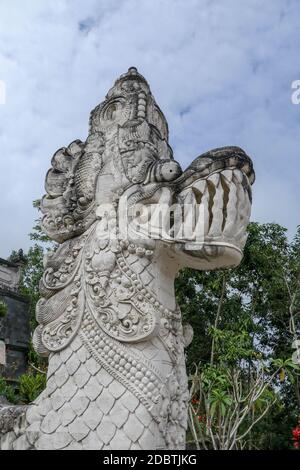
<point x="86" y="405"/>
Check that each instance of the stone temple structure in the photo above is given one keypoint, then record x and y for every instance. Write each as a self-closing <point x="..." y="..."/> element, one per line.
<point x="14" y="325"/>
<point x="127" y="219"/>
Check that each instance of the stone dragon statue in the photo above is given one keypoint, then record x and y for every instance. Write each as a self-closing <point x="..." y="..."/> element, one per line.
<point x="126" y="219"/>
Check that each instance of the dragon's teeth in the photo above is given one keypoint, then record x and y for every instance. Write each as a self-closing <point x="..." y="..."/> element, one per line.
<point x="200" y="185"/>
<point x="246" y="168"/>
<point x="228" y="174"/>
<point x="215" y="178"/>
<point x="238" y="175"/>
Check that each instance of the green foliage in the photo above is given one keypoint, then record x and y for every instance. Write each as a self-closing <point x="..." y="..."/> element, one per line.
<point x="229" y="401"/>
<point x="32" y="269"/>
<point x="17" y="257"/>
<point x="35" y="360"/>
<point x="3" y="309"/>
<point x="31" y="274"/>
<point x="242" y="319"/>
<point x="37" y="233"/>
<point x="233" y="346"/>
<point x="7" y="391"/>
<point x="216" y="383"/>
<point x="30" y="386"/>
<point x="256" y="298"/>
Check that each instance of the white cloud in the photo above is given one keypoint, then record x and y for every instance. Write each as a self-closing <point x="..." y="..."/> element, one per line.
<point x="221" y="72"/>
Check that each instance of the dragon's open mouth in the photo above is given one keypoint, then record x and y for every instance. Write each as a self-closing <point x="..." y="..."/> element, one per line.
<point x="218" y="207"/>
<point x="205" y="211"/>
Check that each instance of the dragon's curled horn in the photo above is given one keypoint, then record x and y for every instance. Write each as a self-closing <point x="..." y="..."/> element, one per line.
<point x="70" y="186"/>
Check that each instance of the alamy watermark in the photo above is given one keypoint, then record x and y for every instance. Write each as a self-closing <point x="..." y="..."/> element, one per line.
<point x="296" y="94"/>
<point x="157" y="221"/>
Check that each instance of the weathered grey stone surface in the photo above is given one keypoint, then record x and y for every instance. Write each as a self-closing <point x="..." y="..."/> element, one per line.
<point x="127" y="219"/>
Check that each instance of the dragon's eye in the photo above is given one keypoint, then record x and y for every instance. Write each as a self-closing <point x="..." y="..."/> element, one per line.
<point x="167" y="170"/>
<point x="111" y="109"/>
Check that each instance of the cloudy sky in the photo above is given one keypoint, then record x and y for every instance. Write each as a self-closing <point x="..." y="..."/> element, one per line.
<point x="221" y="70"/>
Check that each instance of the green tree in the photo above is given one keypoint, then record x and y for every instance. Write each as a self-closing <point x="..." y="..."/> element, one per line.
<point x="3" y="308"/>
<point x="249" y="309"/>
<point x="31" y="273"/>
<point x="31" y="385"/>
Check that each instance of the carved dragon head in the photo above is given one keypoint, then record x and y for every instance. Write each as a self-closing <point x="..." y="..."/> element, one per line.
<point x="126" y="162"/>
